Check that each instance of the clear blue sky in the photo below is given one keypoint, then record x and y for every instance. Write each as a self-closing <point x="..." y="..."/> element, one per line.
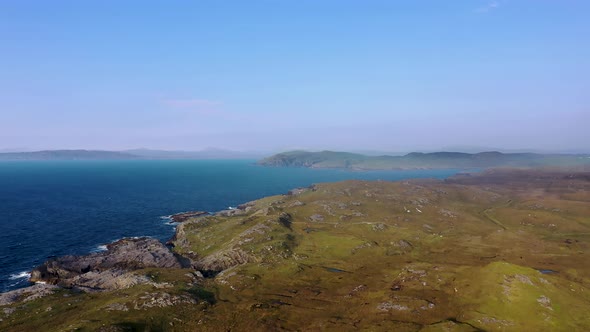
<point x="282" y="74"/>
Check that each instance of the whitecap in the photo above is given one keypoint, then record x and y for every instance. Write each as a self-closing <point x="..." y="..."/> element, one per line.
<point x="99" y="248"/>
<point x="168" y="220"/>
<point x="131" y="237"/>
<point x="104" y="247"/>
<point x="20" y="275"/>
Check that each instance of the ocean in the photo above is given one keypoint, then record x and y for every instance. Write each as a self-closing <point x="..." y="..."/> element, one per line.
<point x="55" y="208"/>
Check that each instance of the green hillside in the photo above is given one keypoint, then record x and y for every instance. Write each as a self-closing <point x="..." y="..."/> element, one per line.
<point x="415" y="160"/>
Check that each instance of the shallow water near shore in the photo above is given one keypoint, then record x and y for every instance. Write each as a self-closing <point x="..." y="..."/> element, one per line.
<point x="55" y="208"/>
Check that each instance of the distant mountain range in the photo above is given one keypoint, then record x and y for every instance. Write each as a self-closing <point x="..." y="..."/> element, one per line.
<point x="67" y="155"/>
<point x="126" y="155"/>
<point x="416" y="160"/>
<point x="210" y="153"/>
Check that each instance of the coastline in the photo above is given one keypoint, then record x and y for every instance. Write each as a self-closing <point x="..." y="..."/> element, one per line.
<point x="101" y="246"/>
<point x="333" y="242"/>
<point x="107" y="215"/>
<point x="175" y="220"/>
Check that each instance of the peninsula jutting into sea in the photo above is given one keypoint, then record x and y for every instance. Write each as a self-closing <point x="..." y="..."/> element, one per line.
<point x="416" y="160"/>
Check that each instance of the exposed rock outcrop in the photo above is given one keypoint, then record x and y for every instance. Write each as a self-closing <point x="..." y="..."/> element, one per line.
<point x="26" y="294"/>
<point x="108" y="269"/>
<point x="223" y="260"/>
<point x="184" y="216"/>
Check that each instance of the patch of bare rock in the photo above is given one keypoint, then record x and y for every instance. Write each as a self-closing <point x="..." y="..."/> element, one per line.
<point x="109" y="269"/>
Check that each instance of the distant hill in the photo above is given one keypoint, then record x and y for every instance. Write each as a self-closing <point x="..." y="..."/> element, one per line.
<point x="416" y="160"/>
<point x="203" y="154"/>
<point x="67" y="155"/>
<point x="128" y="154"/>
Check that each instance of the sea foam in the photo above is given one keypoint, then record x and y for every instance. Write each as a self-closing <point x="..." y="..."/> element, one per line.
<point x="20" y="275"/>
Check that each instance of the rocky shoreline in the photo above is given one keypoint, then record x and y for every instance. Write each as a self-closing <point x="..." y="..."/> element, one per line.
<point x="101" y="271"/>
<point x="184" y="216"/>
<point x="114" y="268"/>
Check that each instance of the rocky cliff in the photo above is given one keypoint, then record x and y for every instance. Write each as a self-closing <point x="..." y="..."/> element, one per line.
<point x="111" y="269"/>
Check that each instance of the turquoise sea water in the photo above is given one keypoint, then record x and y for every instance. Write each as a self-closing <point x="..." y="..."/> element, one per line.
<point x="54" y="208"/>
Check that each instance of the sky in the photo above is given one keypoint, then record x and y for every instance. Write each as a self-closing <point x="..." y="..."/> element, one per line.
<point x="295" y="74"/>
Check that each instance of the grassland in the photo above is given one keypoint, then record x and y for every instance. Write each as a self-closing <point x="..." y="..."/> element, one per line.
<point x="499" y="251"/>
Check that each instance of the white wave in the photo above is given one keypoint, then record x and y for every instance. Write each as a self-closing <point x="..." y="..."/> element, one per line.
<point x="99" y="248"/>
<point x="20" y="275"/>
<point x="130" y="237"/>
<point x="103" y="247"/>
<point x="167" y="220"/>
